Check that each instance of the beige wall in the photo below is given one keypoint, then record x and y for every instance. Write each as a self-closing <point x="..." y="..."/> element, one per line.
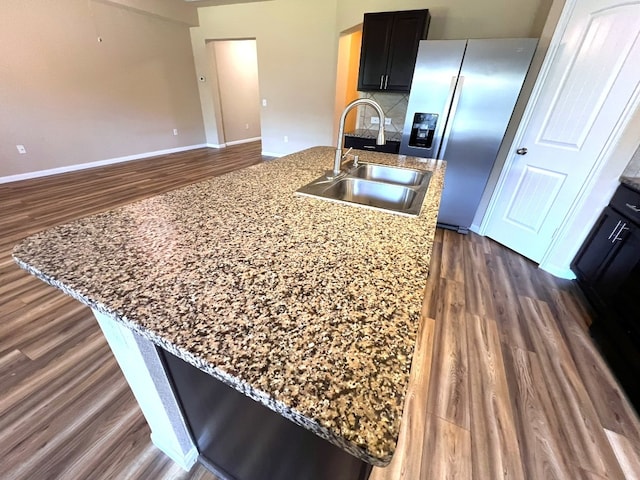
<point x="236" y="64"/>
<point x="70" y="99"/>
<point x="354" y="68"/>
<point x="298" y="53"/>
<point x="347" y="78"/>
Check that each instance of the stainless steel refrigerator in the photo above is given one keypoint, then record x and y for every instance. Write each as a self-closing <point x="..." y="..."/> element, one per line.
<point x="462" y="97"/>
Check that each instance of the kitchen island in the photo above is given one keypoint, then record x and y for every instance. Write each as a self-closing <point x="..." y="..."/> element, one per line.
<point x="310" y="308"/>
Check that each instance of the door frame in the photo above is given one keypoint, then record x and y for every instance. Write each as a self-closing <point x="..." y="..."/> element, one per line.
<point x="596" y="168"/>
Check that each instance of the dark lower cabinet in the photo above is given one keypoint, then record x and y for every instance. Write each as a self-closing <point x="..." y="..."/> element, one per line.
<point x="240" y="439"/>
<point x="603" y="262"/>
<point x="607" y="267"/>
<point x="362" y="143"/>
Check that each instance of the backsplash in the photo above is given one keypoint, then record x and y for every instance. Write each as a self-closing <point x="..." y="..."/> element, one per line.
<point x="394" y="106"/>
<point x="633" y="169"/>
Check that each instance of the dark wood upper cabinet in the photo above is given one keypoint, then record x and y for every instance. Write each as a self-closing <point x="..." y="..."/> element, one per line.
<point x="389" y="49"/>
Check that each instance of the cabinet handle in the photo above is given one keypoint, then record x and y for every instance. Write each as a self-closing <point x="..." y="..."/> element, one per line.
<point x="386" y="81"/>
<point x="369" y="147"/>
<point x="633" y="207"/>
<point x="613" y="232"/>
<point x="618" y="237"/>
<point x="381" y="81"/>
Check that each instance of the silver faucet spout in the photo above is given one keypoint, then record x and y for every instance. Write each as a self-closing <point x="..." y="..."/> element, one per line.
<point x="379" y="140"/>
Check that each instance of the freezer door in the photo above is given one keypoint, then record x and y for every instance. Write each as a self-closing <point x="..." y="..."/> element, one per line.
<point x="489" y="84"/>
<point x="434" y="81"/>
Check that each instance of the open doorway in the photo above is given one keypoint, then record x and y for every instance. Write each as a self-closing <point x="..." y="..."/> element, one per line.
<point x="347" y="76"/>
<point x="236" y="66"/>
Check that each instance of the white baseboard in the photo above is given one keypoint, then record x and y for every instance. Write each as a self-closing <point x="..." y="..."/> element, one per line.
<point x="99" y="163"/>
<point x="556" y="271"/>
<point x="186" y="461"/>
<point x="246" y="140"/>
<point x="272" y="154"/>
<point x="215" y="145"/>
<point x="475" y="228"/>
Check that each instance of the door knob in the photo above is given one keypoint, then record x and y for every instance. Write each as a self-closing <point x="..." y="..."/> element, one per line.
<point x="522" y="151"/>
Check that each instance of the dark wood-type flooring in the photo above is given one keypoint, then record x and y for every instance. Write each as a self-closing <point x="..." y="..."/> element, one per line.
<point x="506" y="382"/>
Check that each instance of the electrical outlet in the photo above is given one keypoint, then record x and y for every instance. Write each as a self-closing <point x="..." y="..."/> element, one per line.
<point x="246" y="126"/>
<point x="387" y="121"/>
<point x="264" y="102"/>
<point x="21" y="149"/>
<point x="375" y="120"/>
<point x="175" y="131"/>
<point x="286" y="139"/>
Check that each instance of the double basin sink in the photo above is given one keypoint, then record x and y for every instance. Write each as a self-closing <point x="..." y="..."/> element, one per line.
<point x="393" y="189"/>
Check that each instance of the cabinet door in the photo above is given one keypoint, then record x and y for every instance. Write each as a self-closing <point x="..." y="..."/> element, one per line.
<point x="618" y="282"/>
<point x="597" y="248"/>
<point x="407" y="31"/>
<point x="374" y="53"/>
<point x="389" y="47"/>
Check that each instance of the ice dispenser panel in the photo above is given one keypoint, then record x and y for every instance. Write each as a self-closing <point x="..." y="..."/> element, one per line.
<point x="423" y="130"/>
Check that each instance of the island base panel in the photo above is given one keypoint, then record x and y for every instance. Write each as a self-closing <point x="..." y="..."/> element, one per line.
<point x="241" y="439"/>
<point x="144" y="371"/>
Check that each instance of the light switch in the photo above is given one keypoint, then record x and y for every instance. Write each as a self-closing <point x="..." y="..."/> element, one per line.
<point x="264" y="102"/>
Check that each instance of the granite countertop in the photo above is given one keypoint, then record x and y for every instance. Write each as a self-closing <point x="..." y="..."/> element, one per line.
<point x="307" y="306"/>
<point x="365" y="133"/>
<point x="633" y="182"/>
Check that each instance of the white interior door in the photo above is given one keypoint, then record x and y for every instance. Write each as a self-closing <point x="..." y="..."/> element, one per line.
<point x="579" y="100"/>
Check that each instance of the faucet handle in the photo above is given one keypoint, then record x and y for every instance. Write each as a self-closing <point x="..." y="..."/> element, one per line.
<point x="355" y="160"/>
<point x="344" y="155"/>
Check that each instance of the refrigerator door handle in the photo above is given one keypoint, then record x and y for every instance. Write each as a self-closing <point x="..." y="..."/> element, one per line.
<point x="441" y="125"/>
<point x="457" y="87"/>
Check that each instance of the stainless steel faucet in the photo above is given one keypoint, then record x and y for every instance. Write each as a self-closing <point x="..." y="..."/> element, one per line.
<point x="379" y="141"/>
